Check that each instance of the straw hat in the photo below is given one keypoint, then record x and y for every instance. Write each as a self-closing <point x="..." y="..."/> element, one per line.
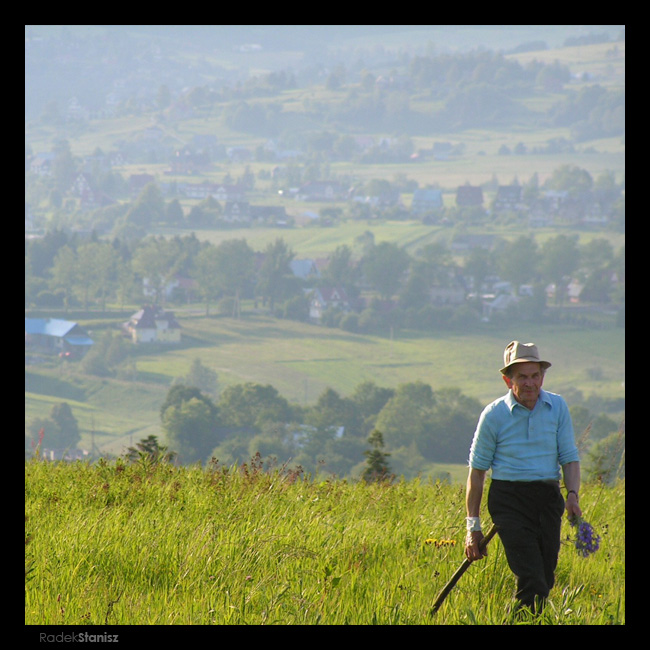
<point x="517" y="352"/>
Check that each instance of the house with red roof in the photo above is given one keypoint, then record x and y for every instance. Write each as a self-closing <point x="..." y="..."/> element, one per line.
<point x="327" y="298"/>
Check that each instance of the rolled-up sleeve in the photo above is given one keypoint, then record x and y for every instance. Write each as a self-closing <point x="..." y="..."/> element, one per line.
<point x="567" y="450"/>
<point x="481" y="453"/>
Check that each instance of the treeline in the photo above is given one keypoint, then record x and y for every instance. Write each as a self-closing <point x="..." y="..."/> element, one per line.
<point x="418" y="425"/>
<point x="385" y="285"/>
<point x="402" y="430"/>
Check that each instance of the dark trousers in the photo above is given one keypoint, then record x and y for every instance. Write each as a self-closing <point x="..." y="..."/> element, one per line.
<point x="528" y="516"/>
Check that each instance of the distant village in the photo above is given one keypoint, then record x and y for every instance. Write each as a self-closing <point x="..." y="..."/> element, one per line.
<point x="590" y="209"/>
<point x="548" y="207"/>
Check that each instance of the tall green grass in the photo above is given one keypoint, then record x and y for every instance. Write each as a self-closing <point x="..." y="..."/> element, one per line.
<point x="145" y="544"/>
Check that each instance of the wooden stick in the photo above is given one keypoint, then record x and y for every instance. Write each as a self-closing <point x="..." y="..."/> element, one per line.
<point x="461" y="569"/>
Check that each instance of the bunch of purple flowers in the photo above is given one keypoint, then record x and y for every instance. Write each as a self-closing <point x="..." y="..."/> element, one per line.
<point x="586" y="541"/>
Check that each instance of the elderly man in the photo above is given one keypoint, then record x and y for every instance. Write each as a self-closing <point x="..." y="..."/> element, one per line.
<point x="524" y="437"/>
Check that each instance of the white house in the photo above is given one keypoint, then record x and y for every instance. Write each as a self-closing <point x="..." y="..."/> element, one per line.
<point x="153" y="325"/>
<point x="325" y="298"/>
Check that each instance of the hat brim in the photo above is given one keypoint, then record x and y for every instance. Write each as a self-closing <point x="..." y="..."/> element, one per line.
<point x="544" y="364"/>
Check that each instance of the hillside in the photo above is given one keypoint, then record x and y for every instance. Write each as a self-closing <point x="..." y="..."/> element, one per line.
<point x="273" y="108"/>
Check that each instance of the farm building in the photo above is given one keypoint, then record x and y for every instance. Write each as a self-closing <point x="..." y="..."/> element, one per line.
<point x="56" y="335"/>
<point x="508" y="198"/>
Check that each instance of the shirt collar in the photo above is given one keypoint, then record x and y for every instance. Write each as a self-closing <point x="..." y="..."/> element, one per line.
<point x="512" y="402"/>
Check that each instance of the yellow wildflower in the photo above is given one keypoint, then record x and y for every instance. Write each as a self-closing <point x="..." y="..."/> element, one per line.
<point x="440" y="542"/>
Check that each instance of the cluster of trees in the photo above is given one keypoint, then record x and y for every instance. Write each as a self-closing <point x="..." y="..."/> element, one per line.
<point x="59" y="430"/>
<point x="373" y="433"/>
<point x="417" y="426"/>
<point x="149" y="451"/>
<point x="62" y="271"/>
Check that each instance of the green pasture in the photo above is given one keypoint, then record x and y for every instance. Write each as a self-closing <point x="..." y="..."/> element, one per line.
<point x="317" y="242"/>
<point x="112" y="413"/>
<point x="486" y="166"/>
<point x="287" y="354"/>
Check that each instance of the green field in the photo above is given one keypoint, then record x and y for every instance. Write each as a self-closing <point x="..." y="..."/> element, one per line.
<point x="125" y="545"/>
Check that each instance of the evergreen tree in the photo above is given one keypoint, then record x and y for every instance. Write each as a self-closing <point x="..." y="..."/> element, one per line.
<point x="377" y="468"/>
<point x="149" y="450"/>
<point x="174" y="215"/>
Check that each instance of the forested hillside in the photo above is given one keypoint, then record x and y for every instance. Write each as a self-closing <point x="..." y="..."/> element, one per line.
<point x="377" y="182"/>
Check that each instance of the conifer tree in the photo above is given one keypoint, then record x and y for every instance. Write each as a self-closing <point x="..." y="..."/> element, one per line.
<point x="377" y="468"/>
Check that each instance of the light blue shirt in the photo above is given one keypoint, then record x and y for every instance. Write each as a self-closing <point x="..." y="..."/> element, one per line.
<point x="523" y="445"/>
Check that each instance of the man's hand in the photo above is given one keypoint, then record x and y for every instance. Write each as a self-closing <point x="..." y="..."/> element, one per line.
<point x="472" y="551"/>
<point x="572" y="507"/>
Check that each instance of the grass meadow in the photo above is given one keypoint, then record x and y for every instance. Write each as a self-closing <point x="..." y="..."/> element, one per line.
<point x="116" y="544"/>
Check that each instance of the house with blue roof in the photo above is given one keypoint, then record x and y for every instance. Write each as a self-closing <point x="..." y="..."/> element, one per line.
<point x="56" y="335"/>
<point x="304" y="269"/>
<point x="425" y="201"/>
